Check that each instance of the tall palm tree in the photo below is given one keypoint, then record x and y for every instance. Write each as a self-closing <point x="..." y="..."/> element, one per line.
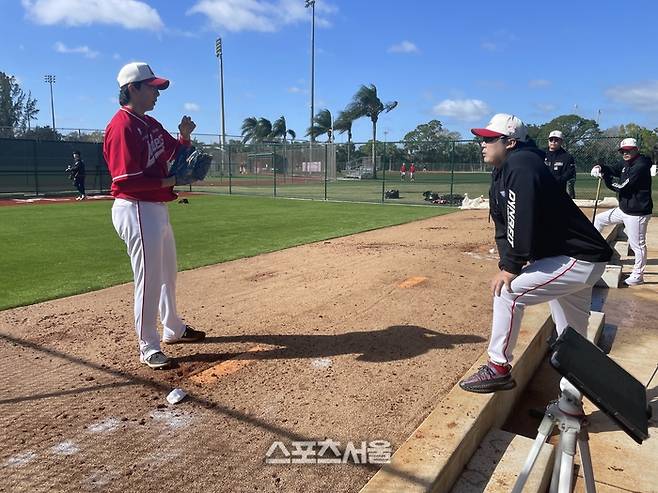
<point x="281" y="131"/>
<point x="366" y="103"/>
<point x="248" y="130"/>
<point x="256" y="129"/>
<point x="343" y="124"/>
<point x="322" y="124"/>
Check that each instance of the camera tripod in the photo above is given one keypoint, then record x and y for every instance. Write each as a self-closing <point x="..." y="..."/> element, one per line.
<point x="567" y="414"/>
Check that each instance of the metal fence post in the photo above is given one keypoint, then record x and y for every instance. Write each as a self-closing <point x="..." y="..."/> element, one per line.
<point x="452" y="171"/>
<point x="325" y="170"/>
<point x="383" y="172"/>
<point x="274" y="169"/>
<point x="230" y="180"/>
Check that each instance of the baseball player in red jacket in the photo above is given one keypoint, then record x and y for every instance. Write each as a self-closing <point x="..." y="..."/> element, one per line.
<point x="138" y="150"/>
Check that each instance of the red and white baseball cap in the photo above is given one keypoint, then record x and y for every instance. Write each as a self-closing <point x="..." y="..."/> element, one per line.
<point x="557" y="134"/>
<point x="629" y="143"/>
<point x="505" y="125"/>
<point x="140" y="72"/>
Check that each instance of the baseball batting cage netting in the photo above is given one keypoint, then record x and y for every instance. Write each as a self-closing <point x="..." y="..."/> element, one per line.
<point x="440" y="172"/>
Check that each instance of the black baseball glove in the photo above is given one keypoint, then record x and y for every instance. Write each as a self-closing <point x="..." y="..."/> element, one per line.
<point x="190" y="165"/>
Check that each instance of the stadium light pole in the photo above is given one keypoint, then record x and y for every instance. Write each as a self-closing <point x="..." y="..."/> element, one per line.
<point x="50" y="79"/>
<point x="220" y="61"/>
<point x="311" y="4"/>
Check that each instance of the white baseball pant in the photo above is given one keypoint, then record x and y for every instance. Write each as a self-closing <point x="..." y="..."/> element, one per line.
<point x="635" y="228"/>
<point x="564" y="282"/>
<point x="145" y="228"/>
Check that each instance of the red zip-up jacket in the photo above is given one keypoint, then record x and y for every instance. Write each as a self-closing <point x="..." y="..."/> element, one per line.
<point x="137" y="151"/>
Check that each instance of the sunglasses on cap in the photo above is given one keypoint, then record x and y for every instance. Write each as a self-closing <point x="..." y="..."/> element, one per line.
<point x="491" y="140"/>
<point x="554" y="139"/>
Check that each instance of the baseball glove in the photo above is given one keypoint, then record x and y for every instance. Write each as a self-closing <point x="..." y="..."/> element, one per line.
<point x="190" y="165"/>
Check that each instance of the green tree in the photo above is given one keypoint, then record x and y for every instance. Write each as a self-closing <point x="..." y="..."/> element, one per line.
<point x="93" y="136"/>
<point x="42" y="133"/>
<point x="574" y="128"/>
<point x="366" y="102"/>
<point x="430" y="143"/>
<point x="390" y="154"/>
<point x="343" y="124"/>
<point x="647" y="139"/>
<point x="322" y="124"/>
<point x="17" y="109"/>
<point x="255" y="130"/>
<point x="281" y="131"/>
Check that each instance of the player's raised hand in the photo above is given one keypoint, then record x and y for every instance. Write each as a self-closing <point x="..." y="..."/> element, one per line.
<point x="186" y="127"/>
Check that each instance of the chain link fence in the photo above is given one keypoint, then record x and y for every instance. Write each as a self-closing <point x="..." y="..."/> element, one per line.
<point x="444" y="171"/>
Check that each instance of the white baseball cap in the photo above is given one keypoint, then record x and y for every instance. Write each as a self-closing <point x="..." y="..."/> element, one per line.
<point x="501" y="125"/>
<point x="629" y="143"/>
<point x="557" y="134"/>
<point x="140" y="72"/>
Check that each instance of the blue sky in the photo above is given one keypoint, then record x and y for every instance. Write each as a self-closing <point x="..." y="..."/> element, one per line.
<point x="458" y="62"/>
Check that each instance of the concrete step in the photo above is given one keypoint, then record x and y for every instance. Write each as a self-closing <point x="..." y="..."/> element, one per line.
<point x="495" y="466"/>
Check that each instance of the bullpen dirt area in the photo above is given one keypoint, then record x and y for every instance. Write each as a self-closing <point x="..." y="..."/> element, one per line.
<point x="350" y="340"/>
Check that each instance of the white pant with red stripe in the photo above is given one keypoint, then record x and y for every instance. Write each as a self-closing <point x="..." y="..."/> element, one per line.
<point x="145" y="228"/>
<point x="564" y="282"/>
<point x="635" y="228"/>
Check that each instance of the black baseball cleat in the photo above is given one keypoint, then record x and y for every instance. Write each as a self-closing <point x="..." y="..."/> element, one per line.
<point x="190" y="335"/>
<point x="487" y="380"/>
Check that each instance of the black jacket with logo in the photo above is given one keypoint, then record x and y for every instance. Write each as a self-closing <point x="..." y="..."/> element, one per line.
<point x="535" y="218"/>
<point x="634" y="185"/>
<point x="561" y="164"/>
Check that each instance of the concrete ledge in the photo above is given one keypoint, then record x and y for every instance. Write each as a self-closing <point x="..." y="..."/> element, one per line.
<point x="433" y="457"/>
<point x="498" y="461"/>
<point x="612" y="275"/>
<point x="595" y="326"/>
<point x="610" y="278"/>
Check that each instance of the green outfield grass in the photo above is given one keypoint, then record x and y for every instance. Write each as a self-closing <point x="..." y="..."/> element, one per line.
<point x="57" y="250"/>
<point x="475" y="184"/>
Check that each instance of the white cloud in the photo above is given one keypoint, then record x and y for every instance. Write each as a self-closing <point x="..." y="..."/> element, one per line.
<point x="403" y="47"/>
<point x="131" y="14"/>
<point x="466" y="110"/>
<point x="82" y="50"/>
<point x="294" y="90"/>
<point x="489" y="46"/>
<point x="259" y="15"/>
<point x="641" y="96"/>
<point x="538" y="83"/>
<point x="191" y="107"/>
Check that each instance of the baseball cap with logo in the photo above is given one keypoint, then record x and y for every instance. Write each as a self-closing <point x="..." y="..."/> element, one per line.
<point x="140" y="72"/>
<point x="557" y="134"/>
<point x="505" y="125"/>
<point x="629" y="143"/>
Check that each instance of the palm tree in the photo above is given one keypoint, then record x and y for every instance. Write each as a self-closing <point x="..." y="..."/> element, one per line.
<point x="255" y="129"/>
<point x="281" y="131"/>
<point x="322" y="124"/>
<point x="366" y="103"/>
<point x="343" y="124"/>
<point x="248" y="130"/>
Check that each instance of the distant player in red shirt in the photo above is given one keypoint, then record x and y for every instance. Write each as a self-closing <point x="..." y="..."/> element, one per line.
<point x="403" y="171"/>
<point x="412" y="171"/>
<point x="138" y="150"/>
